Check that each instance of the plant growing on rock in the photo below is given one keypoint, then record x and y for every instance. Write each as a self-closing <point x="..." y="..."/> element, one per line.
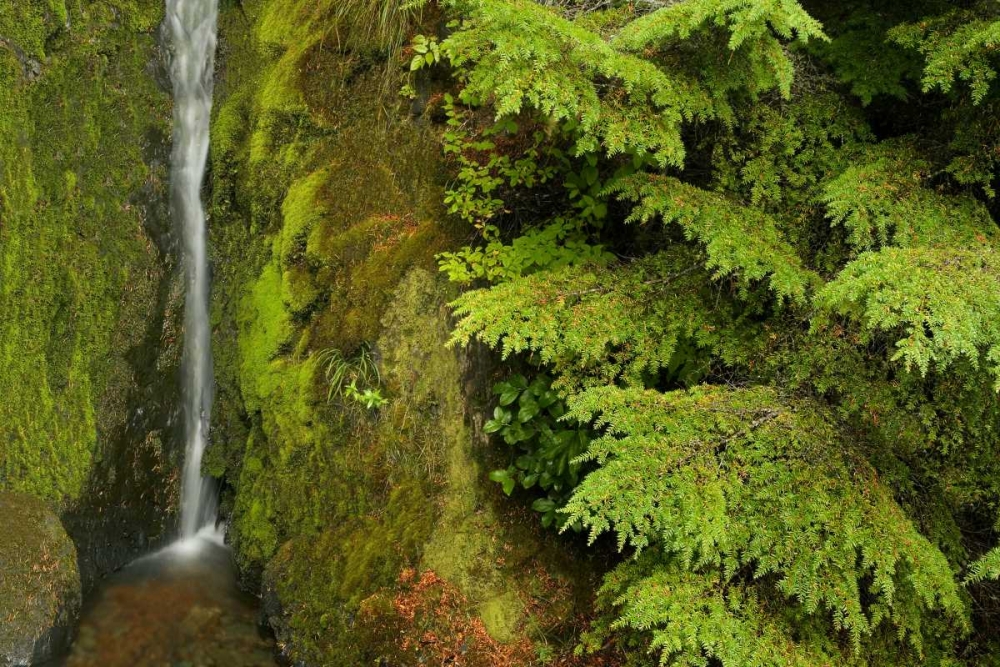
<point x="531" y="418"/>
<point x="355" y="378"/>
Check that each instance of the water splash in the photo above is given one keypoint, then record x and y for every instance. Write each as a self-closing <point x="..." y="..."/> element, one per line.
<point x="192" y="31"/>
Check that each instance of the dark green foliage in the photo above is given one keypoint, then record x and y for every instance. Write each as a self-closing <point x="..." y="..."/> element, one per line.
<point x="530" y="417"/>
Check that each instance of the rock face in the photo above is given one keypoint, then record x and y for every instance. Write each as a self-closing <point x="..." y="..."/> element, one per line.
<point x="368" y="523"/>
<point x="88" y="337"/>
<point x="39" y="582"/>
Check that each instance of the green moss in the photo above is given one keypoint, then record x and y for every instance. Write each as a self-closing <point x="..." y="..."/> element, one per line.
<point x="265" y="333"/>
<point x="501" y="615"/>
<point x="77" y="270"/>
<point x="39" y="578"/>
<point x="302" y="209"/>
<point x="326" y="218"/>
<point x="28" y="25"/>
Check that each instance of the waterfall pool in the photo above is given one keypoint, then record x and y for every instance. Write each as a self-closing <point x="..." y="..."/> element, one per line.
<point x="178" y="607"/>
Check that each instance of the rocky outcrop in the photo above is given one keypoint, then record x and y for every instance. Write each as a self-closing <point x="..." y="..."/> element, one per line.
<point x="32" y="69"/>
<point x="39" y="582"/>
<point x="88" y="344"/>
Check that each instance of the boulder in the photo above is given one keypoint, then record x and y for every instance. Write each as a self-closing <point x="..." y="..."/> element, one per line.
<point x="39" y="582"/>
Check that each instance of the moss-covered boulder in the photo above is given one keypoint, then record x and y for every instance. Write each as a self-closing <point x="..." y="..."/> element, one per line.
<point x="39" y="582"/>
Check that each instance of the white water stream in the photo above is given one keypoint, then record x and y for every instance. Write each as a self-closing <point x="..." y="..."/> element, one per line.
<point x="192" y="28"/>
<point x="182" y="605"/>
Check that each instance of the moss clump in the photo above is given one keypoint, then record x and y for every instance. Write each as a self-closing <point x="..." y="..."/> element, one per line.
<point x="78" y="273"/>
<point x="39" y="581"/>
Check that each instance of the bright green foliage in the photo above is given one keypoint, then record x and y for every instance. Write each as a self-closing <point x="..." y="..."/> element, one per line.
<point x="883" y="201"/>
<point x="942" y="304"/>
<point x="732" y="480"/>
<point x="987" y="567"/>
<point x="754" y="30"/>
<point x="957" y="46"/>
<point x="599" y="325"/>
<point x="554" y="246"/>
<point x="519" y="55"/>
<point x="738" y="240"/>
<point x="427" y="51"/>
<point x="791" y="366"/>
<point x="694" y="617"/>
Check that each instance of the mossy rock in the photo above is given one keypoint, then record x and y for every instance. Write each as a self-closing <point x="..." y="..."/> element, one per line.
<point x="39" y="582"/>
<point x="327" y="215"/>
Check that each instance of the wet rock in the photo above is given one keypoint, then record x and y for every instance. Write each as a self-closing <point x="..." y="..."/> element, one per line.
<point x="39" y="582"/>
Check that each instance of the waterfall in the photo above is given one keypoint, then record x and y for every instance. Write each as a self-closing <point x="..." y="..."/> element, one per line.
<point x="192" y="33"/>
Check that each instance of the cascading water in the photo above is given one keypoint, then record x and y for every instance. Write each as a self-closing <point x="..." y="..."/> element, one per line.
<point x="192" y="28"/>
<point x="182" y="604"/>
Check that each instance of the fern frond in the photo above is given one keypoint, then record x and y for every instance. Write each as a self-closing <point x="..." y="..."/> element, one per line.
<point x="738" y="240"/>
<point x="725" y="479"/>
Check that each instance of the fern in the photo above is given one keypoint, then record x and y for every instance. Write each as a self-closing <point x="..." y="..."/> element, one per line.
<point x="693" y="617"/>
<point x="801" y="496"/>
<point x="738" y="240"/>
<point x="554" y="246"/>
<point x="720" y="480"/>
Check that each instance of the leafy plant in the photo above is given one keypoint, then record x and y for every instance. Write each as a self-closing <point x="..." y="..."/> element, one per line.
<point x="426" y="50"/>
<point x="530" y="417"/>
<point x="353" y="377"/>
<point x="370" y="398"/>
<point x="482" y="169"/>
